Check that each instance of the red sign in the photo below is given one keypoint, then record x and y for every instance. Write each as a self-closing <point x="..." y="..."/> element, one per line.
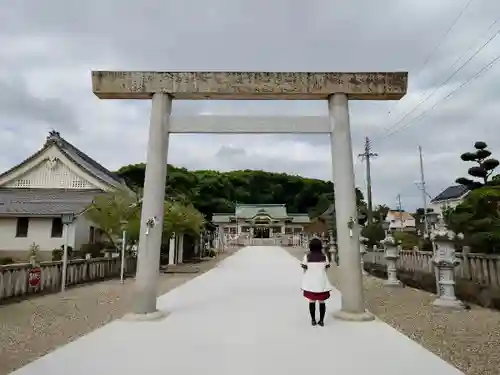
<point x="35" y="276"/>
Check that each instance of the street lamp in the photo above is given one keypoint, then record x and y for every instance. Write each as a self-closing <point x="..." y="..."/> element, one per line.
<point x="123" y="224"/>
<point x="67" y="220"/>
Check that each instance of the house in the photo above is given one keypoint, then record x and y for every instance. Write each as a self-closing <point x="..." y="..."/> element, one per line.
<point x="58" y="179"/>
<point x="261" y="220"/>
<point x="400" y="220"/>
<point x="450" y="197"/>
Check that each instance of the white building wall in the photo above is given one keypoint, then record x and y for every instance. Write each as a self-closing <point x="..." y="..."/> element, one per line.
<point x="39" y="231"/>
<point x="439" y="207"/>
<point x="82" y="232"/>
<point x="395" y="222"/>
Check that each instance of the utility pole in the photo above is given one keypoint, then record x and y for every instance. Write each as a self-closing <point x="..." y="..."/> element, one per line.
<point x="367" y="155"/>
<point x="400" y="210"/>
<point x="424" y="191"/>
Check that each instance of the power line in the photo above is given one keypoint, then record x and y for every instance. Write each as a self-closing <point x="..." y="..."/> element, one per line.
<point x="450" y="94"/>
<point x="472" y="44"/>
<point x="436" y="48"/>
<point x="444" y="82"/>
<point x="367" y="155"/>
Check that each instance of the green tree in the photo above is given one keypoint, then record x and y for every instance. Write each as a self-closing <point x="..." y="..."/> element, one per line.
<point x="478" y="218"/>
<point x="216" y="192"/>
<point x="374" y="233"/>
<point x="482" y="171"/>
<point x="408" y="240"/>
<point x="109" y="210"/>
<point x="380" y="213"/>
<point x="180" y="218"/>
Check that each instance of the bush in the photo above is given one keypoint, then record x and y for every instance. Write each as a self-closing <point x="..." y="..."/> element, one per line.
<point x="94" y="249"/>
<point x="425" y="245"/>
<point x="212" y="253"/>
<point x="408" y="240"/>
<point x="57" y="254"/>
<point x="6" y="260"/>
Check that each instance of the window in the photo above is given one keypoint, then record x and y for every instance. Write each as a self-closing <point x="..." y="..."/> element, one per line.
<point x="57" y="228"/>
<point x="22" y="227"/>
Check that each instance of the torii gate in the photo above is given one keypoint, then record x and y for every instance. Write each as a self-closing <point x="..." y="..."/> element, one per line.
<point x="337" y="88"/>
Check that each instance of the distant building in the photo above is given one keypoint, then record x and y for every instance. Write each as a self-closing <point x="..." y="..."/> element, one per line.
<point x="449" y="198"/>
<point x="261" y="220"/>
<point x="58" y="179"/>
<point x="400" y="220"/>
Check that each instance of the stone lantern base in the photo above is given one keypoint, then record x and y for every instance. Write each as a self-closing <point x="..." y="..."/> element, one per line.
<point x="452" y="304"/>
<point x="393" y="283"/>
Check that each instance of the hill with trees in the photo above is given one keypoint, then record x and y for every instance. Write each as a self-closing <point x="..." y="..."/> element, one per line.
<point x="212" y="191"/>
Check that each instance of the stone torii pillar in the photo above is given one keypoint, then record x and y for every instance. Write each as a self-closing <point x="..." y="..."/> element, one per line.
<point x="336" y="88"/>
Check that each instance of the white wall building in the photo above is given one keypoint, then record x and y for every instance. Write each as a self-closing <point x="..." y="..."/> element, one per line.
<point x="261" y="221"/>
<point x="400" y="220"/>
<point x="58" y="179"/>
<point x="450" y="197"/>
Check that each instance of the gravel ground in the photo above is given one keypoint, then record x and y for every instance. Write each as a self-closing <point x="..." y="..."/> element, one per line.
<point x="34" y="327"/>
<point x="469" y="339"/>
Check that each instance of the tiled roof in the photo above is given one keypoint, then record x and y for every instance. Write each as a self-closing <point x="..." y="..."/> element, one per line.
<point x="451" y="192"/>
<point x="221" y="218"/>
<point x="248" y="211"/>
<point x="300" y="218"/>
<point x="78" y="157"/>
<point x="44" y="202"/>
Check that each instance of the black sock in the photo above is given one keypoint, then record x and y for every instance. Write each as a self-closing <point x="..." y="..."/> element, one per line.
<point x="322" y="311"/>
<point x="312" y="310"/>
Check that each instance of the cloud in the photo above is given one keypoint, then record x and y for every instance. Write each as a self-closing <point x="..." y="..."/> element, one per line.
<point x="49" y="49"/>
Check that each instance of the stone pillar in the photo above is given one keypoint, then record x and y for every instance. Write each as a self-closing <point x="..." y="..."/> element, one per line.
<point x="148" y="257"/>
<point x="391" y="257"/>
<point x="362" y="252"/>
<point x="445" y="262"/>
<point x="180" y="252"/>
<point x="351" y="283"/>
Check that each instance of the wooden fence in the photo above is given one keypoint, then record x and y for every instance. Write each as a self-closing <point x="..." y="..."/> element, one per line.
<point x="480" y="268"/>
<point x="14" y="278"/>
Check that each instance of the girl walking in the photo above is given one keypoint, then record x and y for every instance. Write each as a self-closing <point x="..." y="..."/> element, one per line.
<point x="315" y="283"/>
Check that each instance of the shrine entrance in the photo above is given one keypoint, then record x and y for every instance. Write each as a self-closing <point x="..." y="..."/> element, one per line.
<point x="261" y="232"/>
<point x="335" y="88"/>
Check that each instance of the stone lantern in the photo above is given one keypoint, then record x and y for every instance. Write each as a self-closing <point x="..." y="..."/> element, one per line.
<point x="391" y="256"/>
<point x="445" y="263"/>
<point x="362" y="252"/>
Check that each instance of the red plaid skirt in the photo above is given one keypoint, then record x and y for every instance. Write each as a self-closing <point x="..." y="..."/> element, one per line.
<point x="323" y="296"/>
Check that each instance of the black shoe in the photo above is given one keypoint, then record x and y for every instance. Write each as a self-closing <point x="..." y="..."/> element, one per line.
<point x="313" y="322"/>
<point x="321" y="323"/>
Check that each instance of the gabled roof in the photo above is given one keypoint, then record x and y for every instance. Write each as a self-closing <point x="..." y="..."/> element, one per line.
<point x="78" y="157"/>
<point x="248" y="211"/>
<point x="44" y="202"/>
<point x="451" y="192"/>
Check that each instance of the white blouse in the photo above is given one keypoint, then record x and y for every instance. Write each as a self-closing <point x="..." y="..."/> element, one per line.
<point x="315" y="278"/>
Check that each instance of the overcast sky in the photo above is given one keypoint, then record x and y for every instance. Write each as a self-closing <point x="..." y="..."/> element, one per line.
<point x="49" y="47"/>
